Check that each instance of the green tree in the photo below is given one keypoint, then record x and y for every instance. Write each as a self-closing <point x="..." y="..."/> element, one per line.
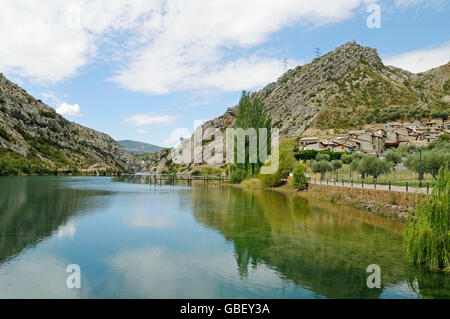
<point x="323" y="157"/>
<point x="337" y="164"/>
<point x="321" y="167"/>
<point x="237" y="175"/>
<point x="394" y="157"/>
<point x="427" y="234"/>
<point x="250" y="114"/>
<point x="346" y="158"/>
<point x="432" y="161"/>
<point x="300" y="181"/>
<point x="370" y="165"/>
<point x="286" y="164"/>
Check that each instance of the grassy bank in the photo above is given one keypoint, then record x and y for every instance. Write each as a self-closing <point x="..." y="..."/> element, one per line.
<point x="393" y="205"/>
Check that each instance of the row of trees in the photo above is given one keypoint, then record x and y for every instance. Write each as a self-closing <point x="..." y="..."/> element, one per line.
<point x="422" y="159"/>
<point x="250" y="114"/>
<point x="419" y="159"/>
<point x="366" y="165"/>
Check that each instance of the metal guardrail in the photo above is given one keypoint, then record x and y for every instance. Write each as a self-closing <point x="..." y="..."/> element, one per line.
<point x="353" y="184"/>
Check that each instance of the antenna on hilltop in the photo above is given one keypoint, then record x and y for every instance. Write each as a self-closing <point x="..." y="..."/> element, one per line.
<point x="285" y="64"/>
<point x="317" y="52"/>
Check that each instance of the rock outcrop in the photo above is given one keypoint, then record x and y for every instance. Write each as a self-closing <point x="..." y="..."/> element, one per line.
<point x="344" y="89"/>
<point x="35" y="134"/>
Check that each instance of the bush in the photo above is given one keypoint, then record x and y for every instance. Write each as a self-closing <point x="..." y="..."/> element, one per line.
<point x="432" y="161"/>
<point x="286" y="164"/>
<point x="346" y="158"/>
<point x="323" y="157"/>
<point x="237" y="176"/>
<point x="370" y="165"/>
<point x="427" y="235"/>
<point x="311" y="154"/>
<point x="321" y="167"/>
<point x="300" y="181"/>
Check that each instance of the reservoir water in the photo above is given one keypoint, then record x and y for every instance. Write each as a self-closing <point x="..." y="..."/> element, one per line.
<point x="136" y="240"/>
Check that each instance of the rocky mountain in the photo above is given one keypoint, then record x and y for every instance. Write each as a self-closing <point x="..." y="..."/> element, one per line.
<point x="35" y="139"/>
<point x="347" y="88"/>
<point x="139" y="147"/>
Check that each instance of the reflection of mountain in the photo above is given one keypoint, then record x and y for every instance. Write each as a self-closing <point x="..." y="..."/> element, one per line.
<point x="31" y="209"/>
<point x="319" y="248"/>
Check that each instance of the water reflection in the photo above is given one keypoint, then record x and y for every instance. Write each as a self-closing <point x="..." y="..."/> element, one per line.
<point x="31" y="209"/>
<point x="313" y="244"/>
<point x="138" y="241"/>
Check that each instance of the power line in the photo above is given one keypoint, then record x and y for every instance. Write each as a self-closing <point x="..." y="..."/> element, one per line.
<point x="317" y="52"/>
<point x="285" y="64"/>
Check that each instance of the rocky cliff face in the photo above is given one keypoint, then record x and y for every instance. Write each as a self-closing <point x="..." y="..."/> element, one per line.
<point x="344" y="89"/>
<point x="33" y="133"/>
<point x="339" y="89"/>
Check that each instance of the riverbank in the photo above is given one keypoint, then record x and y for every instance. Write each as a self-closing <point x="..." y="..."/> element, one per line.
<point x="389" y="204"/>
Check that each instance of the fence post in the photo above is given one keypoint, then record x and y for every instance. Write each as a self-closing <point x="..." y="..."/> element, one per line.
<point x="428" y="188"/>
<point x="327" y="181"/>
<point x="342" y="182"/>
<point x="389" y="185"/>
<point x="352" y="183"/>
<point x="375" y="184"/>
<point x="406" y="186"/>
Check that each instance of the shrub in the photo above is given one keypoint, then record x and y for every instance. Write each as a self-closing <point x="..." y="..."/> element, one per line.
<point x="427" y="235"/>
<point x="300" y="181"/>
<point x="323" y="157"/>
<point x="321" y="167"/>
<point x="5" y="134"/>
<point x="237" y="176"/>
<point x="370" y="165"/>
<point x="346" y="158"/>
<point x="286" y="164"/>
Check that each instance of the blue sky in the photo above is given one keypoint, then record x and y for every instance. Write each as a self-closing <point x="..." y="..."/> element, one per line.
<point x="143" y="70"/>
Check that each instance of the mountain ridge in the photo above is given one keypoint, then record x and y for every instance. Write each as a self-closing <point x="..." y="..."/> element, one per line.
<point x="346" y="88"/>
<point x="139" y="147"/>
<point x="341" y="84"/>
<point x="36" y="139"/>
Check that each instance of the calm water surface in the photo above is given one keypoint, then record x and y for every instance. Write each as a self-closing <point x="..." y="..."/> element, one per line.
<point x="133" y="240"/>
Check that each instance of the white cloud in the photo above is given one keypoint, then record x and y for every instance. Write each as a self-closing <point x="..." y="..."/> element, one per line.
<point x="142" y="131"/>
<point x="50" y="40"/>
<point x="148" y="119"/>
<point x="69" y="109"/>
<point x="407" y="3"/>
<point x="165" y="46"/>
<point x="145" y="221"/>
<point x="67" y="230"/>
<point x="421" y="60"/>
<point x="188" y="52"/>
<point x="159" y="46"/>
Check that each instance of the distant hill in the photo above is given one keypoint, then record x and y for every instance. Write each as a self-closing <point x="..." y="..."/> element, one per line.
<point x="34" y="139"/>
<point x="139" y="147"/>
<point x="347" y="88"/>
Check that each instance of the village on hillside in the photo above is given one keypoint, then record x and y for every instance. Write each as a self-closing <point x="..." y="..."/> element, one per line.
<point x="376" y="140"/>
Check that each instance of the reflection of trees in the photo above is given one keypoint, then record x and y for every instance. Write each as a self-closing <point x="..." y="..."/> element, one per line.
<point x="428" y="284"/>
<point x="32" y="208"/>
<point x="313" y="246"/>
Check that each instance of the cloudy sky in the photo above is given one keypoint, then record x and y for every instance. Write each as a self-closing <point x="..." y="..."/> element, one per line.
<point x="144" y="69"/>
